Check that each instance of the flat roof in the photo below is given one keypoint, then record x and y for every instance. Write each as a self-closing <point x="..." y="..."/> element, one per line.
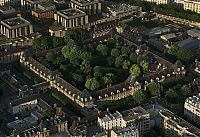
<point x="6" y="8"/>
<point x="71" y="12"/>
<point x="175" y="121"/>
<point x="189" y="43"/>
<point x="121" y="7"/>
<point x="15" y="22"/>
<point x="23" y="100"/>
<point x="85" y="1"/>
<point x="134" y="113"/>
<point x="68" y="13"/>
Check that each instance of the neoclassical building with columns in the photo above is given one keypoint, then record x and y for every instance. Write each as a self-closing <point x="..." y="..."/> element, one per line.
<point x="16" y="27"/>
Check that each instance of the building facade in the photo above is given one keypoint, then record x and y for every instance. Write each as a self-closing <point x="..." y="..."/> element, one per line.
<point x="160" y="1"/>
<point x="192" y="108"/>
<point x="90" y="7"/>
<point x="70" y="18"/>
<point x="176" y="126"/>
<point x="193" y="5"/>
<point x="44" y="12"/>
<point x="112" y="121"/>
<point x="16" y="27"/>
<point x="8" y="2"/>
<point x="31" y="4"/>
<point x="136" y="118"/>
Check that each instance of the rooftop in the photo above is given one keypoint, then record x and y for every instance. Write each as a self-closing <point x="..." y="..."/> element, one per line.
<point x="85" y="1"/>
<point x="71" y="12"/>
<point x="121" y="7"/>
<point x="7" y="9"/>
<point x="177" y="121"/>
<point x="189" y="43"/>
<point x="23" y="100"/>
<point x="134" y="113"/>
<point x="15" y="22"/>
<point x="110" y="117"/>
<point x="46" y="6"/>
<point x="194" y="101"/>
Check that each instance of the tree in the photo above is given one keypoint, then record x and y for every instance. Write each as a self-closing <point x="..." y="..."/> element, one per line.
<point x="62" y="67"/>
<point x="75" y="61"/>
<point x="126" y="64"/>
<point x="57" y="41"/>
<point x="133" y="57"/>
<point x="46" y="42"/>
<point x="110" y="61"/>
<point x="154" y="88"/>
<point x="115" y="52"/>
<point x="140" y="58"/>
<point x="135" y="70"/>
<point x="75" y="53"/>
<point x="36" y="44"/>
<point x="171" y="95"/>
<point x="145" y="66"/>
<point x="173" y="50"/>
<point x="184" y="54"/>
<point x="85" y="55"/>
<point x="97" y="74"/>
<point x="85" y="67"/>
<point x="139" y="96"/>
<point x="50" y="57"/>
<point x="102" y="49"/>
<point x="92" y="84"/>
<point x="78" y="78"/>
<point x="66" y="50"/>
<point x="75" y="34"/>
<point x="125" y="50"/>
<point x="108" y="78"/>
<point x="185" y="91"/>
<point x="119" y="61"/>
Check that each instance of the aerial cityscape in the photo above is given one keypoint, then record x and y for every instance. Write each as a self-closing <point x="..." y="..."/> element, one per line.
<point x="99" y="68"/>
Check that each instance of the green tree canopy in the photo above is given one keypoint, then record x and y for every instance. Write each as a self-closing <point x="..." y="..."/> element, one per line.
<point x="50" y="57"/>
<point x="85" y="55"/>
<point x="125" y="50"/>
<point x="115" y="52"/>
<point x="36" y="44"/>
<point x="126" y="64"/>
<point x="85" y="67"/>
<point x="102" y="49"/>
<point x="154" y="88"/>
<point x="135" y="70"/>
<point x="46" y="42"/>
<point x="133" y="57"/>
<point x="92" y="84"/>
<point x="108" y="78"/>
<point x="145" y="66"/>
<point x="76" y="34"/>
<point x="119" y="61"/>
<point x="139" y="97"/>
<point x="140" y="58"/>
<point x="185" y="91"/>
<point x="57" y="41"/>
<point x="66" y="50"/>
<point x="98" y="74"/>
<point x="110" y="61"/>
<point x="171" y="95"/>
<point x="184" y="54"/>
<point x="78" y="78"/>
